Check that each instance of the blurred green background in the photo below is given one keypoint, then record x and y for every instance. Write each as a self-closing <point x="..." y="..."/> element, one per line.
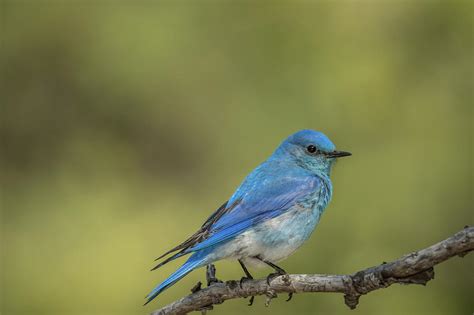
<point x="125" y="124"/>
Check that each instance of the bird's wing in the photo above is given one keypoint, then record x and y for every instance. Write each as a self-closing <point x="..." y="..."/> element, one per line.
<point x="193" y="239"/>
<point x="201" y="234"/>
<point x="266" y="193"/>
<point x="260" y="197"/>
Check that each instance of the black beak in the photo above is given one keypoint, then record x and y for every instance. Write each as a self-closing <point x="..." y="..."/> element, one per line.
<point x="338" y="154"/>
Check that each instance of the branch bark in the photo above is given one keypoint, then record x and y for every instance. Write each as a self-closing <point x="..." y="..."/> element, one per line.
<point x="414" y="268"/>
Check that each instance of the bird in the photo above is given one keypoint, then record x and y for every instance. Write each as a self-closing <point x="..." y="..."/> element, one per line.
<point x="270" y="215"/>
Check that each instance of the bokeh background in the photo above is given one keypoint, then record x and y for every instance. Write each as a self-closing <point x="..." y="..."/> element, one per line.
<point x="125" y="124"/>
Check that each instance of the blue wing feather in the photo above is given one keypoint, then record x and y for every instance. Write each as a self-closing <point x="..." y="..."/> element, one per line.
<point x="259" y="198"/>
<point x="232" y="230"/>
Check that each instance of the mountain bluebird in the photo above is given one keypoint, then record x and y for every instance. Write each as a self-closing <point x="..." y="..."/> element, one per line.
<point x="270" y="215"/>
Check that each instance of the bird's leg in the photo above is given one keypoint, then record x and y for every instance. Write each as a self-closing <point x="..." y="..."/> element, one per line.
<point x="248" y="276"/>
<point x="211" y="275"/>
<point x="278" y="272"/>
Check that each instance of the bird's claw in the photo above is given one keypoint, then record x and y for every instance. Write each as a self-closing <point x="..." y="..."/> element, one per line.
<point x="251" y="300"/>
<point x="212" y="281"/>
<point x="290" y="296"/>
<point x="273" y="275"/>
<point x="243" y="279"/>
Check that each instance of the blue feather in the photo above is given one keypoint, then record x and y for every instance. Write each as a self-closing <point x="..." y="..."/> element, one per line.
<point x="233" y="230"/>
<point x="268" y="200"/>
<point x="195" y="261"/>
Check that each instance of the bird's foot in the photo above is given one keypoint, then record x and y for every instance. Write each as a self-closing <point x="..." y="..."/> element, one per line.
<point x="243" y="279"/>
<point x="197" y="287"/>
<point x="211" y="281"/>
<point x="273" y="275"/>
<point x="251" y="300"/>
<point x="290" y="296"/>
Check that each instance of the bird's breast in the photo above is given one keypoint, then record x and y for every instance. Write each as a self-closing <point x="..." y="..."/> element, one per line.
<point x="277" y="238"/>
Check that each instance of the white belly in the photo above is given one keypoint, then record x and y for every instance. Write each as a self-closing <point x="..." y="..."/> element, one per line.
<point x="273" y="240"/>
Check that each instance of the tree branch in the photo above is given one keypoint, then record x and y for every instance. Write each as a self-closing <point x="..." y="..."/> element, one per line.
<point x="414" y="268"/>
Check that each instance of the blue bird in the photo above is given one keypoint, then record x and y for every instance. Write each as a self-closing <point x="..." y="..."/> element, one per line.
<point x="270" y="215"/>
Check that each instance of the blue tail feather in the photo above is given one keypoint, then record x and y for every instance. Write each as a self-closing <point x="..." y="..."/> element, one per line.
<point x="195" y="261"/>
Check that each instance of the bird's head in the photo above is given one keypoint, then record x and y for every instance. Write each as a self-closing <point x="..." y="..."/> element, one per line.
<point x="311" y="150"/>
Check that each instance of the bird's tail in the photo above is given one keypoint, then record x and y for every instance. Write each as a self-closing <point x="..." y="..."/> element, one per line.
<point x="195" y="261"/>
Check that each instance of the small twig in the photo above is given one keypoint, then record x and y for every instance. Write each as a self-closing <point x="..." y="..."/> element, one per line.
<point x="270" y="295"/>
<point x="414" y="268"/>
<point x="197" y="287"/>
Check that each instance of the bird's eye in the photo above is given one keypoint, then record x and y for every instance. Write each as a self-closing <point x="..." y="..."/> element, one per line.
<point x="311" y="148"/>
